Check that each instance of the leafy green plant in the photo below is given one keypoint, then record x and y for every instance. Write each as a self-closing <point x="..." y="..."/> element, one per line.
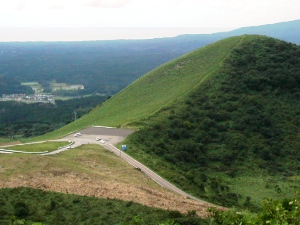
<point x="15" y="221"/>
<point x="273" y="212"/>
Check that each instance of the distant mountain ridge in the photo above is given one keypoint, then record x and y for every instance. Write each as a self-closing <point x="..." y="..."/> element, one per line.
<point x="109" y="66"/>
<point x="286" y="31"/>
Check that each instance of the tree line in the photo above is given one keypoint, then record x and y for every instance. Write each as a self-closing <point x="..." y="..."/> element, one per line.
<point x="19" y="119"/>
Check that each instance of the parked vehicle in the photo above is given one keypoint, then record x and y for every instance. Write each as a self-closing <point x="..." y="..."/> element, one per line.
<point x="100" y="140"/>
<point x="77" y="134"/>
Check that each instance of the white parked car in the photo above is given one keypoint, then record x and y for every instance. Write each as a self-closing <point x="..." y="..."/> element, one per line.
<point x="100" y="140"/>
<point x="77" y="134"/>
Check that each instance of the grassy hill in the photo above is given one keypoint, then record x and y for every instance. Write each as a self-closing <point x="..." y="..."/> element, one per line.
<point x="158" y="89"/>
<point x="221" y="122"/>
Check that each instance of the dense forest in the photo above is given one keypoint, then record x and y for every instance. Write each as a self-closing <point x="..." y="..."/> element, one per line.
<point x="9" y="85"/>
<point x="104" y="67"/>
<point x="19" y="119"/>
<point x="243" y="121"/>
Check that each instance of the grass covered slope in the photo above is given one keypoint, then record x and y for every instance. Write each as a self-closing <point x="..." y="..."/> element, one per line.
<point x="88" y="170"/>
<point x="157" y="89"/>
<point x="235" y="139"/>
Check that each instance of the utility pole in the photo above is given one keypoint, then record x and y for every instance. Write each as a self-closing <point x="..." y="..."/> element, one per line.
<point x="75" y="115"/>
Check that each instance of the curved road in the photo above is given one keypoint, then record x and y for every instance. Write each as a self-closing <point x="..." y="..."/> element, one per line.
<point x="154" y="176"/>
<point x="109" y="137"/>
<point x="113" y="136"/>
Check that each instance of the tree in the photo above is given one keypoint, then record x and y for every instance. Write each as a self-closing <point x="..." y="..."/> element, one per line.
<point x="274" y="212"/>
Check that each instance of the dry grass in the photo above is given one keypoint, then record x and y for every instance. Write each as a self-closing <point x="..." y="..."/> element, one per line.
<point x="91" y="171"/>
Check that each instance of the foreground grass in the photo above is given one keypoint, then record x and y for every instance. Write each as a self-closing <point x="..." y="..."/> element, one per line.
<point x="83" y="159"/>
<point x="7" y="141"/>
<point x="90" y="170"/>
<point x="56" y="208"/>
<point x="38" y="147"/>
<point x="261" y="187"/>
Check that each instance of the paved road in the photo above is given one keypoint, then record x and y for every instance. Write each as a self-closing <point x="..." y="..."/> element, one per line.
<point x="154" y="176"/>
<point x="110" y="137"/>
<point x="113" y="136"/>
<point x="89" y="136"/>
<point x="5" y="152"/>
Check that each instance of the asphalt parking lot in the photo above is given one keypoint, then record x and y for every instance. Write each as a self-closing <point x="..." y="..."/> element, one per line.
<point x="93" y="135"/>
<point x="109" y="135"/>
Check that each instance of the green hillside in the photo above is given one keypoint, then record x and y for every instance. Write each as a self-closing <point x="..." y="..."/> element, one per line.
<point x="221" y="122"/>
<point x="234" y="139"/>
<point x="157" y="89"/>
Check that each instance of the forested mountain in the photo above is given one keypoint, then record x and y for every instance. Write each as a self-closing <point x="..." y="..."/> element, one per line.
<point x="287" y="31"/>
<point x="236" y="136"/>
<point x="108" y="66"/>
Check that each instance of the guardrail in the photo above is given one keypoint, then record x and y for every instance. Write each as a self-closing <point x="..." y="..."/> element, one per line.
<point x="44" y="152"/>
<point x="68" y="145"/>
<point x="16" y="151"/>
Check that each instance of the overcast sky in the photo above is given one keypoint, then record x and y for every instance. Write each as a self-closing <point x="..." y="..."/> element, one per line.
<point x="27" y="20"/>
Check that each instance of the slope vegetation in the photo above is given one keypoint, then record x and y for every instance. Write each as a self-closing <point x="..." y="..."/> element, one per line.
<point x="157" y="89"/>
<point x="221" y="122"/>
<point x="88" y="170"/>
<point x="235" y="138"/>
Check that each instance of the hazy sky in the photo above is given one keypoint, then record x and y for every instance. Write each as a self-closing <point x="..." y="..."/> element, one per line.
<point x="89" y="19"/>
